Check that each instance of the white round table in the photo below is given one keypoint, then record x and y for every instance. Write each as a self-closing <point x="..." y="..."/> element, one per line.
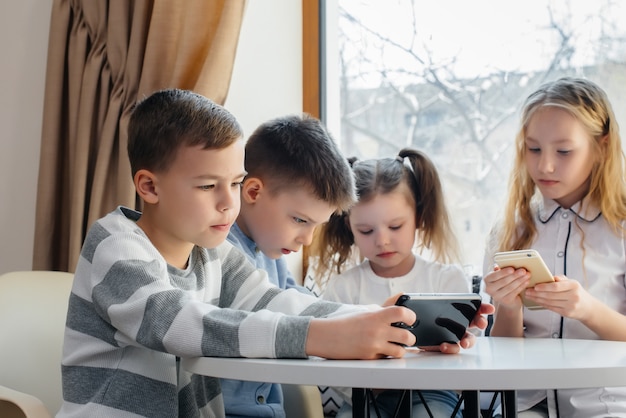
<point x="493" y="364"/>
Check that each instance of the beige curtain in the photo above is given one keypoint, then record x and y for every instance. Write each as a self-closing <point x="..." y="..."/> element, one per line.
<point x="102" y="56"/>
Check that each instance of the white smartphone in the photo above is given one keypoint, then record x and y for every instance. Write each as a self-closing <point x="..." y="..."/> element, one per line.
<point x="532" y="262"/>
<point x="441" y="317"/>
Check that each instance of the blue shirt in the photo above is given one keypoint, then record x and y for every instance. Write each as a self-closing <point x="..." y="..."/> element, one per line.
<point x="257" y="399"/>
<point x="276" y="269"/>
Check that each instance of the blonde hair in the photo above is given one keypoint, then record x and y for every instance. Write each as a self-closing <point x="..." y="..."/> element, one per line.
<point x="589" y="104"/>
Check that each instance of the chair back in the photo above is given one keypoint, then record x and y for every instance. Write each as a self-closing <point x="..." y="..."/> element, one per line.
<point x="33" y="309"/>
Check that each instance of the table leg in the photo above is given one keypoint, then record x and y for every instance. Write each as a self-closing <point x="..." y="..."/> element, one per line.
<point x="406" y="404"/>
<point x="509" y="404"/>
<point x="360" y="408"/>
<point x="360" y="405"/>
<point x="471" y="406"/>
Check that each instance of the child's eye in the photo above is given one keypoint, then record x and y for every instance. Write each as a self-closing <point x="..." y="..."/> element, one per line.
<point x="237" y="184"/>
<point x="395" y="228"/>
<point x="206" y="187"/>
<point x="534" y="150"/>
<point x="564" y="152"/>
<point x="367" y="232"/>
<point x="298" y="220"/>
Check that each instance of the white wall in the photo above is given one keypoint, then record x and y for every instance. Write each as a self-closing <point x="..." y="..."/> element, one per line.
<point x="267" y="82"/>
<point x="267" y="78"/>
<point x="24" y="26"/>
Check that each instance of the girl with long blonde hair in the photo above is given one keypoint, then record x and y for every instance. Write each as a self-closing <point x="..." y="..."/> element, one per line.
<point x="567" y="200"/>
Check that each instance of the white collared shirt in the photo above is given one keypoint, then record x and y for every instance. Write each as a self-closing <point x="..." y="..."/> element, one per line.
<point x="583" y="247"/>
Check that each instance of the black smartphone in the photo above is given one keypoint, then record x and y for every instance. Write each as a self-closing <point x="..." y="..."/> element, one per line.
<point x="441" y="317"/>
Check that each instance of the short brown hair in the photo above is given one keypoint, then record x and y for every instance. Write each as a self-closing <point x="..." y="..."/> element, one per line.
<point x="298" y="151"/>
<point x="168" y="119"/>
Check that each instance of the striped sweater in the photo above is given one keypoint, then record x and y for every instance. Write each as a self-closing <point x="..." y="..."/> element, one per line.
<point x="132" y="316"/>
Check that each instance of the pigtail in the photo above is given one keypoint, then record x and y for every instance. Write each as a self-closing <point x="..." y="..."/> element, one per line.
<point x="431" y="215"/>
<point x="332" y="245"/>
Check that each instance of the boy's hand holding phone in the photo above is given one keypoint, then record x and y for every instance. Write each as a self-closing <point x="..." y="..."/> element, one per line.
<point x="365" y="335"/>
<point x="443" y="319"/>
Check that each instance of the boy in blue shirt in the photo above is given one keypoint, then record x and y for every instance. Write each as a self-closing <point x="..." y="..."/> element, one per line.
<point x="297" y="178"/>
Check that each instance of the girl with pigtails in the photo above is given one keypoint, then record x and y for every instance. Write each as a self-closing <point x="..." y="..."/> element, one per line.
<point x="400" y="215"/>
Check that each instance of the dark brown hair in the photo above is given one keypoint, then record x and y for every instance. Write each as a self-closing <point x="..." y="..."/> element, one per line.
<point x="296" y="151"/>
<point x="169" y="119"/>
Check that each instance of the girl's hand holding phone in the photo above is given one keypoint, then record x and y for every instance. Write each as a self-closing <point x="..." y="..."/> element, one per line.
<point x="506" y="284"/>
<point x="566" y="297"/>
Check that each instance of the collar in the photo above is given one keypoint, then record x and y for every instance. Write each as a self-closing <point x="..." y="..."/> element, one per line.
<point x="587" y="212"/>
<point x="245" y="240"/>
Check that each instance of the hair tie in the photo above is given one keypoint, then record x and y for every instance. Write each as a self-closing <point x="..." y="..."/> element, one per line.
<point x="399" y="158"/>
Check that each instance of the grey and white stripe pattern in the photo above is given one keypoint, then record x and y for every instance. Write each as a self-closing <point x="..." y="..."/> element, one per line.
<point x="132" y="316"/>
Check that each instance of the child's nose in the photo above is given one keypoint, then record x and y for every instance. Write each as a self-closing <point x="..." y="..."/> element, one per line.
<point x="306" y="237"/>
<point x="228" y="200"/>
<point x="546" y="163"/>
<point x="381" y="238"/>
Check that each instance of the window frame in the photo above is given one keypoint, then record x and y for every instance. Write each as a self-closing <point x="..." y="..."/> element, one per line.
<point x="312" y="60"/>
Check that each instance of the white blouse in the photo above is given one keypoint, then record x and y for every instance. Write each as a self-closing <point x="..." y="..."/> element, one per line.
<point x="583" y="247"/>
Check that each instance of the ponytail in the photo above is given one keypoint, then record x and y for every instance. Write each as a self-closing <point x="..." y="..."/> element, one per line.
<point x="431" y="215"/>
<point x="333" y="244"/>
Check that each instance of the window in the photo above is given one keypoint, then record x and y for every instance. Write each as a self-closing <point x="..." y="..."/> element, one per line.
<point x="449" y="78"/>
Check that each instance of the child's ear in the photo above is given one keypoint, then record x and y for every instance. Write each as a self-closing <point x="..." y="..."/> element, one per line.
<point x="252" y="189"/>
<point x="146" y="187"/>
